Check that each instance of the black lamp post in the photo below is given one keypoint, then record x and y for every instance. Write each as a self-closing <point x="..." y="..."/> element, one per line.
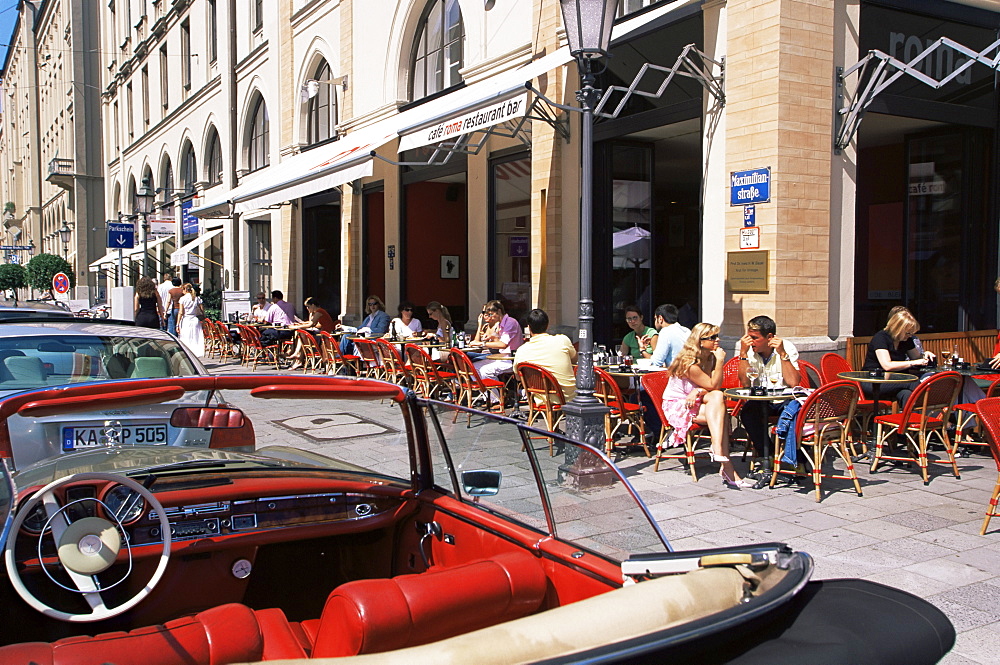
<point x="31" y="248"/>
<point x="64" y="233"/>
<point x="588" y="30"/>
<point x="144" y="198"/>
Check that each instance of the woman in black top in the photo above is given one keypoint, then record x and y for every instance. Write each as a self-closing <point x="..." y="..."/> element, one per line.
<point x="892" y="349"/>
<point x="148" y="308"/>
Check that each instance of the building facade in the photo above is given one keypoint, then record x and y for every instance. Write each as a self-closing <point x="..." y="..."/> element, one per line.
<point x="422" y="151"/>
<point x="52" y="168"/>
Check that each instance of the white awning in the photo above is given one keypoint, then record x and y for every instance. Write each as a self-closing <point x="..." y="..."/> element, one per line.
<point x="112" y="256"/>
<point x="197" y="243"/>
<point x="478" y="106"/>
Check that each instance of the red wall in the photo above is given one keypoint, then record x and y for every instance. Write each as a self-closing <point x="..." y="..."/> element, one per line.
<point x="436" y="225"/>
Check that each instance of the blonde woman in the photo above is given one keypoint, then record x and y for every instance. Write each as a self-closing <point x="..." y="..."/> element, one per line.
<point x="189" y="328"/>
<point x="694" y="395"/>
<point x="893" y="349"/>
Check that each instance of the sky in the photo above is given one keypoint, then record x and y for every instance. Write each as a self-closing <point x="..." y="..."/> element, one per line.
<point x="8" y="15"/>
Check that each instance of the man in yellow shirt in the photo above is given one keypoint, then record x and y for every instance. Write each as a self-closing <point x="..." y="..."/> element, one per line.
<point x="552" y="352"/>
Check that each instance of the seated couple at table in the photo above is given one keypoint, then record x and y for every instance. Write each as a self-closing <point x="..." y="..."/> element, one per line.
<point x="498" y="334"/>
<point x="694" y="396"/>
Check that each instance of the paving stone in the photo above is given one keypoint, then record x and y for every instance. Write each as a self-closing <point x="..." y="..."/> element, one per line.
<point x="963" y="617"/>
<point x="953" y="538"/>
<point x="977" y="645"/>
<point x="947" y="569"/>
<point x="919" y="520"/>
<point x="919" y="585"/>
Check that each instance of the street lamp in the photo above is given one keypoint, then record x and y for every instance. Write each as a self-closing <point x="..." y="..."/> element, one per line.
<point x="64" y="234"/>
<point x="31" y="248"/>
<point x="144" y="198"/>
<point x="588" y="30"/>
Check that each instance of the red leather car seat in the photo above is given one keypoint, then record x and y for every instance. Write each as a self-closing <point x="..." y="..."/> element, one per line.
<point x="372" y="616"/>
<point x="224" y="634"/>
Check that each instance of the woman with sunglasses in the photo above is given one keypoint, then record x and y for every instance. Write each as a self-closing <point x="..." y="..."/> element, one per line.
<point x="375" y="324"/>
<point x="694" y="395"/>
<point x="405" y="325"/>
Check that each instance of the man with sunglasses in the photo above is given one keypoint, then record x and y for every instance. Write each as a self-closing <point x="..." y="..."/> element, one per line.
<point x="777" y="363"/>
<point x="259" y="311"/>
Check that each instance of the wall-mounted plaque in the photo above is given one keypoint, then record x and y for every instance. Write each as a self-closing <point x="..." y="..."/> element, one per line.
<point x="746" y="272"/>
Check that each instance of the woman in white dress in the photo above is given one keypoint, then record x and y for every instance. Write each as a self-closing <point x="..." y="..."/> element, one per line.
<point x="189" y="329"/>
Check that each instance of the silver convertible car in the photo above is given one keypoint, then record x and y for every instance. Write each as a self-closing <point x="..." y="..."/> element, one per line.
<point x="49" y="354"/>
<point x="431" y="534"/>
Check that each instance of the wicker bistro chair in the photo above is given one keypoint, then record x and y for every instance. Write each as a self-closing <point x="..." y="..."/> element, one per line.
<point x="833" y="364"/>
<point x="654" y="383"/>
<point x="223" y="342"/>
<point x="544" y="395"/>
<point x="254" y="350"/>
<point x="821" y="426"/>
<point x="965" y="418"/>
<point x="988" y="410"/>
<point x="471" y="386"/>
<point x="211" y="338"/>
<point x="811" y="376"/>
<point x="731" y="379"/>
<point x="313" y="358"/>
<point x="337" y="362"/>
<point x="428" y="379"/>
<point x="620" y="413"/>
<point x="393" y="366"/>
<point x="924" y="414"/>
<point x="371" y="360"/>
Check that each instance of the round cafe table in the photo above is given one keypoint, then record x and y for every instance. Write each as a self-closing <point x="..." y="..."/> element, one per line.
<point x="877" y="382"/>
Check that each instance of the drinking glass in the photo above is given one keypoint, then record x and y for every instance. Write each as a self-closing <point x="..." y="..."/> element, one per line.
<point x="774" y="378"/>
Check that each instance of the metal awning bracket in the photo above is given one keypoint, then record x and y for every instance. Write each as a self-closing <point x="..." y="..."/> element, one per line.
<point x="691" y="63"/>
<point x="878" y="70"/>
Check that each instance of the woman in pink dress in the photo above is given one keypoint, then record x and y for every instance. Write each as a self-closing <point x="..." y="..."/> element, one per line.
<point x="694" y="395"/>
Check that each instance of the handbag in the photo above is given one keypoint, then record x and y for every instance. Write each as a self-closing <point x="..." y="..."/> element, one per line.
<point x="200" y="315"/>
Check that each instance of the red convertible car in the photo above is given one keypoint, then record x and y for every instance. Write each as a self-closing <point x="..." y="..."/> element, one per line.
<point x="437" y="534"/>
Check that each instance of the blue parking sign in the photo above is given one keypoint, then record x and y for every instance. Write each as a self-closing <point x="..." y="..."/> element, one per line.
<point x="749" y="216"/>
<point x="121" y="235"/>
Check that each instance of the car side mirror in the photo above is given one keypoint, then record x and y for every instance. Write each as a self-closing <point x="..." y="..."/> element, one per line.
<point x="484" y="482"/>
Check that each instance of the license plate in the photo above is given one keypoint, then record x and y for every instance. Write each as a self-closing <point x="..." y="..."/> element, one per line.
<point x="74" y="438"/>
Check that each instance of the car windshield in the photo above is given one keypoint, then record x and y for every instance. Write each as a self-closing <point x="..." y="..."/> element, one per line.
<point x="36" y="361"/>
<point x="543" y="480"/>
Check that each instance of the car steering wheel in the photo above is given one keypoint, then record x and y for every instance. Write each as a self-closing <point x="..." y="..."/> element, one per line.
<point x="86" y="547"/>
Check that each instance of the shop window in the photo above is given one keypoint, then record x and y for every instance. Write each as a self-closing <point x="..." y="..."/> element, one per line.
<point x="321" y="112"/>
<point x="258" y="150"/>
<point x="511" y="233"/>
<point x="438" y="54"/>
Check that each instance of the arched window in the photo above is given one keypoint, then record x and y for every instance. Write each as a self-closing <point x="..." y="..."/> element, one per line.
<point x="167" y="195"/>
<point x="321" y="113"/>
<point x="189" y="170"/>
<point x="258" y="150"/>
<point x="438" y="54"/>
<point x="214" y="159"/>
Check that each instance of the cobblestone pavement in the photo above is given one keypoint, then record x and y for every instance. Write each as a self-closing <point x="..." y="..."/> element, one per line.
<point x="922" y="539"/>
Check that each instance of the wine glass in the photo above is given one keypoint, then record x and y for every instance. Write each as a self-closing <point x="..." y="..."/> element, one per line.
<point x="752" y="373"/>
<point x="945" y="355"/>
<point x="774" y="378"/>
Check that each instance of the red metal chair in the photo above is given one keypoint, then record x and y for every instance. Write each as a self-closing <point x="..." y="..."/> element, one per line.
<point x="654" y="383"/>
<point x="544" y="395"/>
<point x="822" y="425"/>
<point x="472" y="386"/>
<point x="988" y="410"/>
<point x="925" y="413"/>
<point x="965" y="417"/>
<point x="620" y="413"/>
